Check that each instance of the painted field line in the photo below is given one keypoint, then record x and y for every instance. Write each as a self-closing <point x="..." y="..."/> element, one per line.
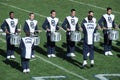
<point x="28" y="11"/>
<point x="103" y="76"/>
<point x="33" y="59"/>
<point x="91" y="5"/>
<point x="48" y="77"/>
<point x="72" y="73"/>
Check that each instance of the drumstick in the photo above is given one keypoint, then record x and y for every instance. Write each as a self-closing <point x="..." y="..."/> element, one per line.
<point x="62" y="28"/>
<point x="38" y="30"/>
<point x="20" y="30"/>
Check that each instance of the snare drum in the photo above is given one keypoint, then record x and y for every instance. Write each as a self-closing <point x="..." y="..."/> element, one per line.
<point x="15" y="39"/>
<point x="113" y="35"/>
<point x="36" y="40"/>
<point x="55" y="36"/>
<point x="96" y="37"/>
<point x="75" y="36"/>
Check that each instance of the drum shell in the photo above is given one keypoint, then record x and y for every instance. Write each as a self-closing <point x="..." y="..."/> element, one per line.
<point x="75" y="36"/>
<point x="96" y="37"/>
<point x="55" y="36"/>
<point x="15" y="39"/>
<point x="113" y="35"/>
<point x="36" y="40"/>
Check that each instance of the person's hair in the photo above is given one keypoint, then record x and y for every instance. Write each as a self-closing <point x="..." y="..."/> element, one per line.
<point x="52" y="11"/>
<point x="90" y="12"/>
<point x="30" y="14"/>
<point x="109" y="8"/>
<point x="73" y="10"/>
<point x="11" y="12"/>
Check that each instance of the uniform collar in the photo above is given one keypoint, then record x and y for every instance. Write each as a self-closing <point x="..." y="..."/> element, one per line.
<point x="72" y="16"/>
<point x="52" y="17"/>
<point x="11" y="18"/>
<point x="31" y="20"/>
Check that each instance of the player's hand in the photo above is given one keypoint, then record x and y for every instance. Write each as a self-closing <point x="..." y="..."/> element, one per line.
<point x="6" y="31"/>
<point x="48" y="29"/>
<point x="98" y="27"/>
<point x="104" y="28"/>
<point x="18" y="30"/>
<point x="39" y="31"/>
<point x="68" y="29"/>
<point x="81" y="29"/>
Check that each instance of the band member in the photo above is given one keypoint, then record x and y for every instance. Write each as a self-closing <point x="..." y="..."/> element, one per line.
<point x="70" y="24"/>
<point x="89" y="27"/>
<point x="51" y="25"/>
<point x="26" y="46"/>
<point x="9" y="26"/>
<point x="31" y="27"/>
<point x="107" y="23"/>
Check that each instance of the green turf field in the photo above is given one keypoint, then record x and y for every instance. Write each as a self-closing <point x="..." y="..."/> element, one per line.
<point x="59" y="66"/>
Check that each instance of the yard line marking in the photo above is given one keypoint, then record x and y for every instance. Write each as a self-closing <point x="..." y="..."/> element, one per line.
<point x="103" y="76"/>
<point x="91" y="5"/>
<point x="72" y="73"/>
<point x="33" y="59"/>
<point x="28" y="11"/>
<point x="48" y="77"/>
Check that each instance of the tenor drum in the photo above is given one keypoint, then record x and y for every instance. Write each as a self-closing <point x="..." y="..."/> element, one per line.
<point x="15" y="39"/>
<point x="55" y="36"/>
<point x="113" y="35"/>
<point x="75" y="36"/>
<point x="96" y="37"/>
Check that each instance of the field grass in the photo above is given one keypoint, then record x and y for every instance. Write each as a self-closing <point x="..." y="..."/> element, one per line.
<point x="69" y="67"/>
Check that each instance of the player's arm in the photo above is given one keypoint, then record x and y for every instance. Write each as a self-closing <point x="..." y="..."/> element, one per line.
<point x="57" y="26"/>
<point x="82" y="24"/>
<point x="4" y="27"/>
<point x="77" y="27"/>
<point x="45" y="25"/>
<point x="36" y="29"/>
<point x="114" y="25"/>
<point x="26" y="28"/>
<point x="21" y="44"/>
<point x="16" y="29"/>
<point x="64" y="25"/>
<point x="101" y="21"/>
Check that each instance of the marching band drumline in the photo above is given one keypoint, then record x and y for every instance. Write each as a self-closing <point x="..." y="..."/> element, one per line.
<point x="51" y="25"/>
